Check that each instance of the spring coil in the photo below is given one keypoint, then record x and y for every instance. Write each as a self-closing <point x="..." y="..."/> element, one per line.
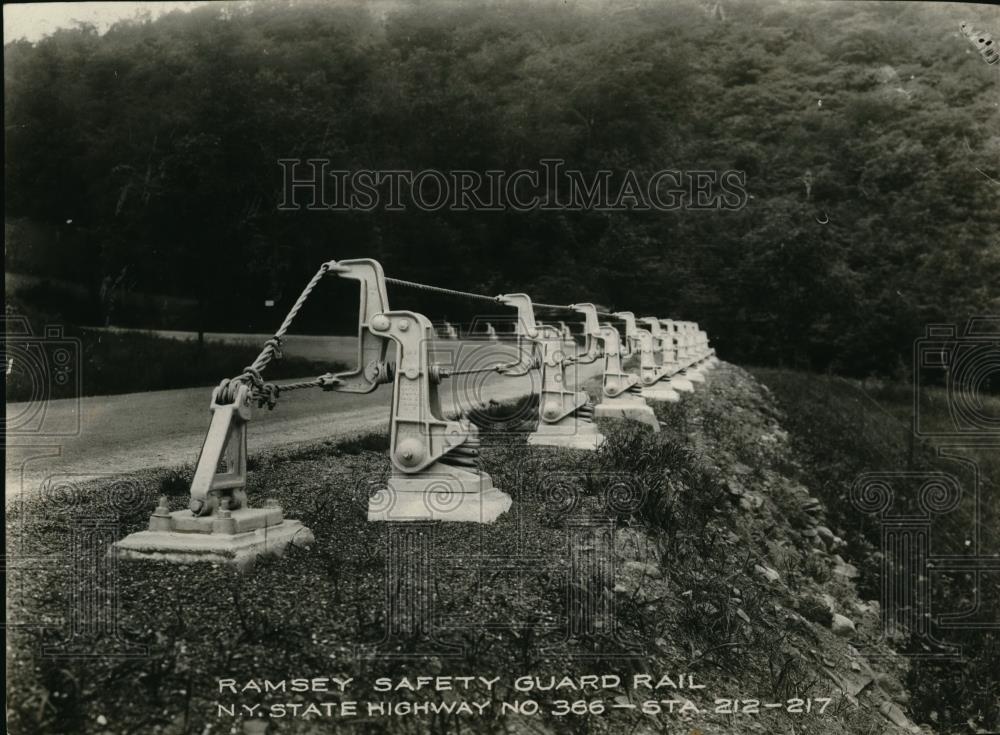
<point x="464" y="455"/>
<point x="585" y="413"/>
<point x="383" y="371"/>
<point x="635" y="389"/>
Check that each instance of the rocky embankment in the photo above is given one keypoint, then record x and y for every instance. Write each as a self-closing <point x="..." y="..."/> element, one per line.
<point x="806" y="615"/>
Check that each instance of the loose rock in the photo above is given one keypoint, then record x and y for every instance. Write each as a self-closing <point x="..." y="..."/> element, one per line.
<point x="770" y="574"/>
<point x="843" y="626"/>
<point x="642" y="569"/>
<point x="895" y="715"/>
<point x="847" y="571"/>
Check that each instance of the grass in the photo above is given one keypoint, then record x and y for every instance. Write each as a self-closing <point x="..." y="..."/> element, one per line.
<point x="634" y="559"/>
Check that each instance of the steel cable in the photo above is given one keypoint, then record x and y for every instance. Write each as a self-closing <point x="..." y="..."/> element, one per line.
<point x="439" y="289"/>
<point x="268" y="392"/>
<point x="272" y="348"/>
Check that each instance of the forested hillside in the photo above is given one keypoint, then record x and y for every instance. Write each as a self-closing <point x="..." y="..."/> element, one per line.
<point x="869" y="134"/>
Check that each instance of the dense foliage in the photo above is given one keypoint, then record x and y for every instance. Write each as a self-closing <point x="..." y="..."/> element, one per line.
<point x="152" y="150"/>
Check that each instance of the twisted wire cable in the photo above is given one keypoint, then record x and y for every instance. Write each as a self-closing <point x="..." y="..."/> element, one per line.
<point x="272" y="348"/>
<point x="440" y="289"/>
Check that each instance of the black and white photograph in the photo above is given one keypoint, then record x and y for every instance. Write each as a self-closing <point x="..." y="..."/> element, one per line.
<point x="516" y="367"/>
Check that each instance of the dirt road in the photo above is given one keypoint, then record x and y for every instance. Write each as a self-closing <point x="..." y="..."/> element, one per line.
<point x="108" y="435"/>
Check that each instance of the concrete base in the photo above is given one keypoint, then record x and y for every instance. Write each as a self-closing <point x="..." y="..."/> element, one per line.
<point x="568" y="434"/>
<point x="681" y="384"/>
<point x="694" y="375"/>
<point x="441" y="493"/>
<point x="660" y="392"/>
<point x="238" y="549"/>
<point x="635" y="409"/>
<point x="241" y="520"/>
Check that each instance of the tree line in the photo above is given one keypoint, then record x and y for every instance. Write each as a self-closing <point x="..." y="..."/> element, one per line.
<point x="867" y="134"/>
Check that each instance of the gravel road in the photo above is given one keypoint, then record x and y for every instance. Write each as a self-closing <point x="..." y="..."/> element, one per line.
<point x="110" y="435"/>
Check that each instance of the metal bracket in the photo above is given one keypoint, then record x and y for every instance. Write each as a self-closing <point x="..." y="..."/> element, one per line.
<point x="702" y="348"/>
<point x="435" y="471"/>
<point x="556" y="402"/>
<point x="616" y="380"/>
<point x="526" y="327"/>
<point x="622" y="394"/>
<point x="687" y="361"/>
<point x="435" y="474"/>
<point x="370" y="371"/>
<point x="649" y="370"/>
<point x="620" y="390"/>
<point x="526" y="332"/>
<point x="419" y="436"/>
<point x="692" y="356"/>
<point x="225" y="446"/>
<point x="564" y="414"/>
<point x="631" y="344"/>
<point x="663" y="345"/>
<point x="652" y="370"/>
<point x="591" y="333"/>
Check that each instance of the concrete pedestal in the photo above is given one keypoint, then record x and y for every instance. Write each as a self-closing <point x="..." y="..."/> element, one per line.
<point x="627" y="407"/>
<point x="570" y="434"/>
<point x="681" y="384"/>
<point x="660" y="392"/>
<point x="441" y="493"/>
<point x="182" y="538"/>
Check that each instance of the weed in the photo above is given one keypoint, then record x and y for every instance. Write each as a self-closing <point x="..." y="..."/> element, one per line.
<point x="176" y="483"/>
<point x="376" y="441"/>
